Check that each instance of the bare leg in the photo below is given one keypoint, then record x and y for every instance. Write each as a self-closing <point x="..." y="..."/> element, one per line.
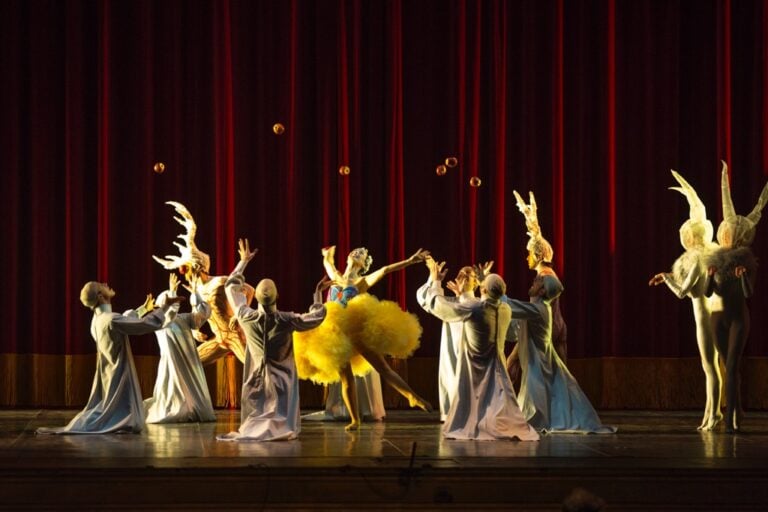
<point x="736" y="342"/>
<point x="349" y="394"/>
<point x="393" y="379"/>
<point x="705" y="338"/>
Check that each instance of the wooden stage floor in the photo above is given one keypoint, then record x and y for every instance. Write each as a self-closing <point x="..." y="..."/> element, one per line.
<point x="657" y="461"/>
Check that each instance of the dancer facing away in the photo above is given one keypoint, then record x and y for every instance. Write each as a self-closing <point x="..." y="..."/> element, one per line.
<point x="181" y="392"/>
<point x="689" y="279"/>
<point x="732" y="271"/>
<point x="195" y="265"/>
<point x="483" y="405"/>
<point x="463" y="287"/>
<point x="550" y="397"/>
<point x="115" y="403"/>
<point x="270" y="400"/>
<point x="359" y="331"/>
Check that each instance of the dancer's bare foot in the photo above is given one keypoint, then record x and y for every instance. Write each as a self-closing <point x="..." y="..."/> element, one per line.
<point x="710" y="422"/>
<point x="355" y="425"/>
<point x="417" y="401"/>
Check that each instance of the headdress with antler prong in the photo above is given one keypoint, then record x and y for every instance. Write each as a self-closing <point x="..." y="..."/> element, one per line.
<point x="740" y="229"/>
<point x="697" y="227"/>
<point x="196" y="259"/>
<point x="537" y="244"/>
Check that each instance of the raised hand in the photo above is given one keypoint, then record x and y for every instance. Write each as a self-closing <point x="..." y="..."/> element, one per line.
<point x="173" y="283"/>
<point x="420" y="255"/>
<point x="435" y="268"/>
<point x="656" y="280"/>
<point x="244" y="250"/>
<point x="149" y="303"/>
<point x="454" y="287"/>
<point x="483" y="269"/>
<point x="328" y="252"/>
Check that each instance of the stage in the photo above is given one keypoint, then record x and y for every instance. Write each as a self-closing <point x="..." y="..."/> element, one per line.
<point x="657" y="461"/>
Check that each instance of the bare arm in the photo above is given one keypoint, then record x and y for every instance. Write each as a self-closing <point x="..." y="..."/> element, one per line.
<point x="374" y="277"/>
<point x="330" y="267"/>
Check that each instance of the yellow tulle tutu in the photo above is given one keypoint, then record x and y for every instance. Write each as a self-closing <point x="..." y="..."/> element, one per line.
<point x="380" y="326"/>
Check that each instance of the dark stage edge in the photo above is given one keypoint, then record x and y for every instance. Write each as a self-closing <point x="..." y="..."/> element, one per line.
<point x="657" y="461"/>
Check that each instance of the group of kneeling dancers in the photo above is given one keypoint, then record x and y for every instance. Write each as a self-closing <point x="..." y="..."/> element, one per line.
<point x="343" y="341"/>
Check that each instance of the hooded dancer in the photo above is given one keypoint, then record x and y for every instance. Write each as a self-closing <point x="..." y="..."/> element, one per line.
<point x="732" y="270"/>
<point x="270" y="398"/>
<point x="689" y="279"/>
<point x="115" y="403"/>
<point x="483" y="402"/>
<point x="181" y="392"/>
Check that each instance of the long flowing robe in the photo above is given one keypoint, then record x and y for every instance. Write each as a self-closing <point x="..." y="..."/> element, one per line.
<point x="115" y="403"/>
<point x="550" y="397"/>
<point x="270" y="399"/>
<point x="181" y="392"/>
<point x="450" y="351"/>
<point x="484" y="405"/>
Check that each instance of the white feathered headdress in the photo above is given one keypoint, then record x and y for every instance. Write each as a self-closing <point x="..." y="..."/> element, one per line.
<point x="740" y="230"/>
<point x="537" y="244"/>
<point x="191" y="256"/>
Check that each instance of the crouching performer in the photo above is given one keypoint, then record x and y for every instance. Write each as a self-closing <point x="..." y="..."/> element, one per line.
<point x="484" y="405"/>
<point x="270" y="397"/>
<point x="115" y="403"/>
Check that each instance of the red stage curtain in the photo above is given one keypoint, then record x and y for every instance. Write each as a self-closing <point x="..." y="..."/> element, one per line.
<point x="587" y="103"/>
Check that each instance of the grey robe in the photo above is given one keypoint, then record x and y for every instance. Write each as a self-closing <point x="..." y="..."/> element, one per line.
<point x="550" y="397"/>
<point x="484" y="405"/>
<point x="181" y="392"/>
<point x="270" y="399"/>
<point x="115" y="404"/>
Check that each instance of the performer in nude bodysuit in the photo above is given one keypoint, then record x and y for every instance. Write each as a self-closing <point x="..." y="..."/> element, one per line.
<point x="194" y="265"/>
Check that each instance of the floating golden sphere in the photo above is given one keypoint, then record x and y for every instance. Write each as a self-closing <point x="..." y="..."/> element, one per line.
<point x="475" y="182"/>
<point x="159" y="167"/>
<point x="344" y="170"/>
<point x="451" y="161"/>
<point x="441" y="170"/>
<point x="278" y="128"/>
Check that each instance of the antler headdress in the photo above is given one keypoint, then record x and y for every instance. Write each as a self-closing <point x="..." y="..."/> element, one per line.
<point x="697" y="227"/>
<point x="190" y="254"/>
<point x="537" y="244"/>
<point x="741" y="229"/>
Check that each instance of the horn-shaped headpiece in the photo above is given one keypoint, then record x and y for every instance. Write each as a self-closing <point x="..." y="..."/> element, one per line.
<point x="697" y="229"/>
<point x="537" y="244"/>
<point x="190" y="254"/>
<point x="739" y="230"/>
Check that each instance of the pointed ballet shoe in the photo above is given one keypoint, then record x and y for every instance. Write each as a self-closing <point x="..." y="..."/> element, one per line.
<point x="355" y="425"/>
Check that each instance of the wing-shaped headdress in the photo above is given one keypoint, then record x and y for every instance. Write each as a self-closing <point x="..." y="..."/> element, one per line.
<point x="697" y="229"/>
<point x="196" y="259"/>
<point x="740" y="230"/>
<point x="537" y="244"/>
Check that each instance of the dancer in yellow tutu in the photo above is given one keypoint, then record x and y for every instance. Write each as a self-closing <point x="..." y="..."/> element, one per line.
<point x="359" y="330"/>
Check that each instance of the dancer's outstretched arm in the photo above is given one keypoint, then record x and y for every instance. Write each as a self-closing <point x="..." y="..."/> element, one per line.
<point x="374" y="277"/>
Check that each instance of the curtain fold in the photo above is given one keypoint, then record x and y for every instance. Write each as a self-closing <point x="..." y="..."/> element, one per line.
<point x="588" y="104"/>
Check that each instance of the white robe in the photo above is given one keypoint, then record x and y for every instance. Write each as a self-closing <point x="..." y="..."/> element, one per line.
<point x="181" y="392"/>
<point x="450" y="338"/>
<point x="484" y="405"/>
<point x="115" y="404"/>
<point x="550" y="397"/>
<point x="270" y="399"/>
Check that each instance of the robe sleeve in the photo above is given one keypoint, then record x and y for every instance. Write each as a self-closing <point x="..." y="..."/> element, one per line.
<point x="682" y="289"/>
<point x="521" y="309"/>
<point x="434" y="302"/>
<point x="133" y="326"/>
<point x="238" y="300"/>
<point x="309" y="320"/>
<point x="201" y="311"/>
